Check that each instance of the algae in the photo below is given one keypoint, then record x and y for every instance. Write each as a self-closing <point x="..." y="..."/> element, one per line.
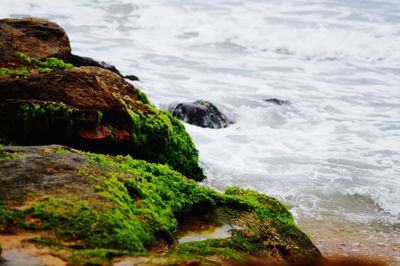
<point x="50" y="64"/>
<point x="132" y="207"/>
<point x="5" y="155"/>
<point x="42" y="115"/>
<point x="159" y="137"/>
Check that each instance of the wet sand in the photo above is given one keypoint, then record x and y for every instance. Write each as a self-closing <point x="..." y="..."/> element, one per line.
<point x="335" y="238"/>
<point x="17" y="251"/>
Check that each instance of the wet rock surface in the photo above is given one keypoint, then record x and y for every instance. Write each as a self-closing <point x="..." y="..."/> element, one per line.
<point x="84" y="208"/>
<point x="40" y="39"/>
<point x="199" y="113"/>
<point x="48" y="101"/>
<point x="92" y="109"/>
<point x="81" y="202"/>
<point x="35" y="37"/>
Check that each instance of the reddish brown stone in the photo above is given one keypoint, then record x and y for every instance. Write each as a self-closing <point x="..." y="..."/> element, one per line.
<point x="37" y="38"/>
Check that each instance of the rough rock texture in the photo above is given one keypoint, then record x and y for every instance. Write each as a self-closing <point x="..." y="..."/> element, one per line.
<point x="199" y="113"/>
<point x="37" y="38"/>
<point x="104" y="207"/>
<point x="92" y="109"/>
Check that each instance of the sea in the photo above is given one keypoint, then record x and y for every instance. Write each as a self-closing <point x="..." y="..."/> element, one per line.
<point x="332" y="154"/>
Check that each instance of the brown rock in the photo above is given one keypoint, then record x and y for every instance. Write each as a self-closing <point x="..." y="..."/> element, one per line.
<point x="92" y="109"/>
<point x="37" y="38"/>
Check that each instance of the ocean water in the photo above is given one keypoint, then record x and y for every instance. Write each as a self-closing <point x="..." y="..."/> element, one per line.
<point x="332" y="155"/>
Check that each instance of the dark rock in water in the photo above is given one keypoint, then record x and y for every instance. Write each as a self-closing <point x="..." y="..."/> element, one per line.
<point x="78" y="61"/>
<point x="277" y="101"/>
<point x="132" y="77"/>
<point x="199" y="113"/>
<point x="37" y="38"/>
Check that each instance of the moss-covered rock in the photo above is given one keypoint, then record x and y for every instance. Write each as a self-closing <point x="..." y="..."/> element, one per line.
<point x="92" y="109"/>
<point x="85" y="201"/>
<point x="44" y="100"/>
<point x="37" y="38"/>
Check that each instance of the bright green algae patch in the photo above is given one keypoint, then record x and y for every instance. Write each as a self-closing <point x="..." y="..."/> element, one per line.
<point x="44" y="114"/>
<point x="5" y="155"/>
<point x="50" y="64"/>
<point x="159" y="137"/>
<point x="132" y="205"/>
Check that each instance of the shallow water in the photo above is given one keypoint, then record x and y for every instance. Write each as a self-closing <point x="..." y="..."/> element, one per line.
<point x="332" y="155"/>
<point x="219" y="232"/>
<point x="14" y="257"/>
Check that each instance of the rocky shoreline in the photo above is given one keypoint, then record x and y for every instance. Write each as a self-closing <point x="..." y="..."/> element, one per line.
<point x="123" y="188"/>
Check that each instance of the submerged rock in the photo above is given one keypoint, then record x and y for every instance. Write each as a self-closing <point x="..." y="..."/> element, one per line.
<point x="132" y="77"/>
<point x="104" y="207"/>
<point x="277" y="101"/>
<point x="199" y="113"/>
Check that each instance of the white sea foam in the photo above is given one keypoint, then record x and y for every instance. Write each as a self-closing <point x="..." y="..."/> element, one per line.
<point x="335" y="151"/>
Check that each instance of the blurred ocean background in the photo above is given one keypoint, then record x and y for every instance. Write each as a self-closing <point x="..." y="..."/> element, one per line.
<point x="332" y="155"/>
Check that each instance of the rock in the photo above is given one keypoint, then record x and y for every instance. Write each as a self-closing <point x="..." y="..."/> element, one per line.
<point x="132" y="77"/>
<point x="277" y="101"/>
<point x="92" y="109"/>
<point x="78" y="61"/>
<point x="37" y="38"/>
<point x="98" y="208"/>
<point x="199" y="113"/>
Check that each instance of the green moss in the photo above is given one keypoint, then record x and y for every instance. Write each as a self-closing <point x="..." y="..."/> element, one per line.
<point x="10" y="218"/>
<point x="159" y="137"/>
<point x="49" y="64"/>
<point x="78" y="256"/>
<point x="53" y="63"/>
<point x="43" y="116"/>
<point x="143" y="207"/>
<point x="97" y="256"/>
<point x="134" y="213"/>
<point x="63" y="150"/>
<point x="99" y="117"/>
<point x="5" y="155"/>
<point x="157" y="191"/>
<point x="133" y="205"/>
<point x="222" y="248"/>
<point x="264" y="206"/>
<point x="103" y="226"/>
<point x="143" y="97"/>
<point x="22" y="71"/>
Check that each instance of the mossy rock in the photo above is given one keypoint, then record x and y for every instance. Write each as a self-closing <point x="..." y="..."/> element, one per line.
<point x="44" y="100"/>
<point x="37" y="38"/>
<point x="96" y="110"/>
<point x="82" y="202"/>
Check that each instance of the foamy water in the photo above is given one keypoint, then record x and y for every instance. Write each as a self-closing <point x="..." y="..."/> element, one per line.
<point x="333" y="154"/>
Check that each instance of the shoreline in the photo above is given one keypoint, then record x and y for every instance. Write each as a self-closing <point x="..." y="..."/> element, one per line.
<point x="348" y="239"/>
